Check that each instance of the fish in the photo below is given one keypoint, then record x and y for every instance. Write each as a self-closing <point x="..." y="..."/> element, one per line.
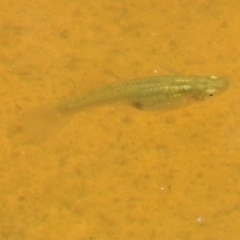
<point x="150" y="93"/>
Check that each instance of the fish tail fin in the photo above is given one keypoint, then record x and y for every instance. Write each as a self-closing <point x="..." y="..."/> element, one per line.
<point x="43" y="122"/>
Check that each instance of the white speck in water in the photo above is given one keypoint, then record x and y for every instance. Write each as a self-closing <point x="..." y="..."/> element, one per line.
<point x="201" y="220"/>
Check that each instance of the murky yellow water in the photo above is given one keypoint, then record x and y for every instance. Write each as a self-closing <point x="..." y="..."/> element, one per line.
<point x="116" y="172"/>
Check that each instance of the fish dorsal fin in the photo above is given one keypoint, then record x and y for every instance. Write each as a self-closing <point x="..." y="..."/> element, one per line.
<point x="86" y="86"/>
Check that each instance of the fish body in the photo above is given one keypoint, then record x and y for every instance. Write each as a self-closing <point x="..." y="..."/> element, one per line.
<point x="153" y="93"/>
<point x="161" y="92"/>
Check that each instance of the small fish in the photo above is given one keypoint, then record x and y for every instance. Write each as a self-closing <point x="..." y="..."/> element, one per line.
<point x="153" y="93"/>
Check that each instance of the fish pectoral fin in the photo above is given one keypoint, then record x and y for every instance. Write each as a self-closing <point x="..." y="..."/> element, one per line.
<point x="137" y="105"/>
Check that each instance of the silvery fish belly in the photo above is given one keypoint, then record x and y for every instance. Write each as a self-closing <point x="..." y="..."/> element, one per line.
<point x="153" y="93"/>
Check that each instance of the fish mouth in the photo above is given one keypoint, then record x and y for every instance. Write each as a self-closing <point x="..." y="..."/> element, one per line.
<point x="217" y="85"/>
